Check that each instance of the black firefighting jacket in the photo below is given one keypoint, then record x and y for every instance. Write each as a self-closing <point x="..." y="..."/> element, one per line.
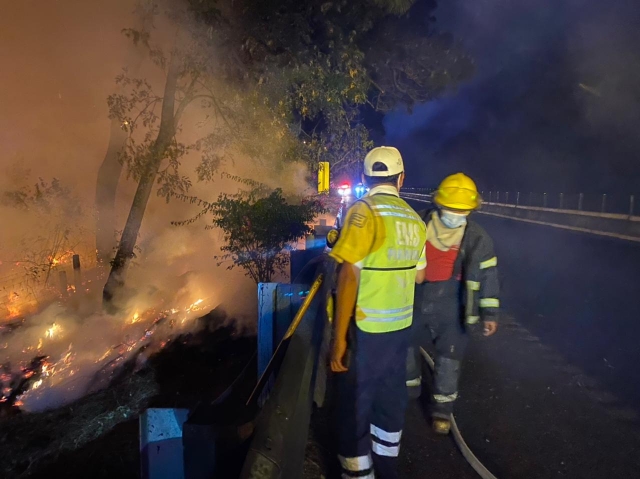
<point x="476" y="272"/>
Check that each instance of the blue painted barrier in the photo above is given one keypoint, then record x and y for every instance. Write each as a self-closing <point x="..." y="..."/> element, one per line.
<point x="161" y="452"/>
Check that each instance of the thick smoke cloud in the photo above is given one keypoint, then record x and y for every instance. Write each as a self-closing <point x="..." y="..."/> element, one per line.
<point x="553" y="105"/>
<point x="59" y="64"/>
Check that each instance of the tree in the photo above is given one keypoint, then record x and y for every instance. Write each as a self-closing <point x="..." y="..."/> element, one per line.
<point x="284" y="80"/>
<point x="152" y="151"/>
<point x="326" y="67"/>
<point x="111" y="166"/>
<point x="258" y="228"/>
<point x="50" y="231"/>
<point x="149" y="157"/>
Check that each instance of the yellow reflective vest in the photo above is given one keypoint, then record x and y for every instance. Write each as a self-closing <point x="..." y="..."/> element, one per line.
<point x="388" y="272"/>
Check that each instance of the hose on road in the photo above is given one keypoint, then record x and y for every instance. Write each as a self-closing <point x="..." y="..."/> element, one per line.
<point x="457" y="436"/>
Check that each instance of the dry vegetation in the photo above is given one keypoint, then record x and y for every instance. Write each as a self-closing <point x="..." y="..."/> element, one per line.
<point x="100" y="431"/>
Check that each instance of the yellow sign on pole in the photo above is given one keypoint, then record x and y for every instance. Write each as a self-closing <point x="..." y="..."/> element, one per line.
<point x="323" y="177"/>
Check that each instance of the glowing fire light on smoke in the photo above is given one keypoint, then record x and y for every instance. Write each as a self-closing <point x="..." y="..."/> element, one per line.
<point x="13" y="308"/>
<point x="54" y="330"/>
<point x="66" y="370"/>
<point x="194" y="306"/>
<point x="61" y="258"/>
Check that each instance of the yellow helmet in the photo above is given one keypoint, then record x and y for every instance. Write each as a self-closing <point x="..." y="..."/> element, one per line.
<point x="457" y="192"/>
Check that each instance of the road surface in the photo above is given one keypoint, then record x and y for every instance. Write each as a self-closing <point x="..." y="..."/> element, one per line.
<point x="556" y="393"/>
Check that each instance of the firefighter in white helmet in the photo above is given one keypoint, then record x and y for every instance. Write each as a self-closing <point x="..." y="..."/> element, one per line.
<point x="381" y="251"/>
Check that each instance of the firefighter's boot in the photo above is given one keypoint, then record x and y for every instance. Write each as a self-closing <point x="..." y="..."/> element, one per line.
<point x="441" y="426"/>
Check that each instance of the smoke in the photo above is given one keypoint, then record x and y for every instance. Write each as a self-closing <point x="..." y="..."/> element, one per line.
<point x="553" y="105"/>
<point x="62" y="59"/>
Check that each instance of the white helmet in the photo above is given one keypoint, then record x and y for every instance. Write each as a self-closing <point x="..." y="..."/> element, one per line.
<point x="387" y="155"/>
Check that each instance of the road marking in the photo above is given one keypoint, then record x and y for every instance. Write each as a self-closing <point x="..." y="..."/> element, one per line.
<point x="564" y="227"/>
<point x="553" y="225"/>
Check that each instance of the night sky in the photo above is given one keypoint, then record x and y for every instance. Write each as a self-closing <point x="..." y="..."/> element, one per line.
<point x="554" y="104"/>
<point x="524" y="122"/>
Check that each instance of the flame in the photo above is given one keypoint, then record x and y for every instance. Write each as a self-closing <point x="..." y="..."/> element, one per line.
<point x="140" y="328"/>
<point x="55" y="260"/>
<point x="54" y="330"/>
<point x="71" y="288"/>
<point x="194" y="306"/>
<point x="12" y="307"/>
<point x="104" y="356"/>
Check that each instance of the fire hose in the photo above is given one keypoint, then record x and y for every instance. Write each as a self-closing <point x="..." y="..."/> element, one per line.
<point x="470" y="457"/>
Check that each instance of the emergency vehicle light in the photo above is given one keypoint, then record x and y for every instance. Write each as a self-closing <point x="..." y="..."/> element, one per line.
<point x="344" y="189"/>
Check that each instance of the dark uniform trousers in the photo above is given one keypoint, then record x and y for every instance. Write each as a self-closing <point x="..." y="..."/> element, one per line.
<point x="438" y="326"/>
<point x="371" y="403"/>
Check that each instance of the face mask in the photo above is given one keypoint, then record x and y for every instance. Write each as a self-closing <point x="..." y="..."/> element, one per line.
<point x="452" y="220"/>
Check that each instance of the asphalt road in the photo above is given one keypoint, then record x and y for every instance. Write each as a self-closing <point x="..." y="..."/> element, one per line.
<point x="556" y="393"/>
<point x="423" y="454"/>
<point x="579" y="293"/>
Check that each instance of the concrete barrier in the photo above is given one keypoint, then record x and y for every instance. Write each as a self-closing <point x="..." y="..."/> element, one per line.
<point x="161" y="453"/>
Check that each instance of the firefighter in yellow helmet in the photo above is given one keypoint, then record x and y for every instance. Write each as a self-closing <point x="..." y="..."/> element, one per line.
<point x="381" y="256"/>
<point x="460" y="288"/>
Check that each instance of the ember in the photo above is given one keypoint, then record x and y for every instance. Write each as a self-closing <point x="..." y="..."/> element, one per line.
<point x="83" y="366"/>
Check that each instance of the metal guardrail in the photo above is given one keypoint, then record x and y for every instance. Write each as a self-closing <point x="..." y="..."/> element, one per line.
<point x="597" y="206"/>
<point x="593" y="214"/>
<point x="603" y="203"/>
<point x="282" y="427"/>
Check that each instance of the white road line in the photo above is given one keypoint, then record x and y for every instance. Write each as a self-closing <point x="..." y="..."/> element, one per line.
<point x="565" y="227"/>
<point x="553" y="225"/>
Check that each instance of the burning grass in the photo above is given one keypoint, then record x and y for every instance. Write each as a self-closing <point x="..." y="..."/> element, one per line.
<point x="97" y="434"/>
<point x="72" y="349"/>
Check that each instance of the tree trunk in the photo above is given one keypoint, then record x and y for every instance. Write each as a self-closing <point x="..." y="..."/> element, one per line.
<point x="147" y="179"/>
<point x="110" y="170"/>
<point x="106" y="187"/>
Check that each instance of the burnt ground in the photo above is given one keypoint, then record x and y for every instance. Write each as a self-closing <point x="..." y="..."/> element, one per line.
<point x="97" y="436"/>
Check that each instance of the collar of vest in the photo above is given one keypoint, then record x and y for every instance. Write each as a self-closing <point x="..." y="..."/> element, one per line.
<point x="383" y="190"/>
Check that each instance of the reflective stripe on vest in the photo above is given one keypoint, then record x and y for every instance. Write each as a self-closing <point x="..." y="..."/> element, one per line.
<point x="387" y="278"/>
